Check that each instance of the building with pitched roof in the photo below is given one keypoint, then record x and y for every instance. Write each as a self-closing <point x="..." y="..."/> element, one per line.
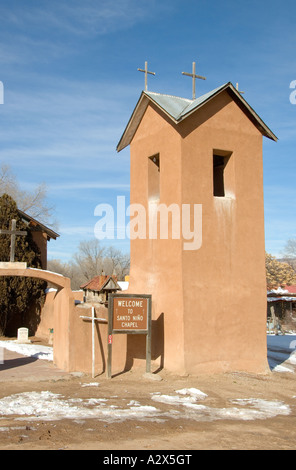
<point x="178" y="109"/>
<point x="281" y="308"/>
<point x="99" y="287"/>
<point x="41" y="235"/>
<point x="203" y="154"/>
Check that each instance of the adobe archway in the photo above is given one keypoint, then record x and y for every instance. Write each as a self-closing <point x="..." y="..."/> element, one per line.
<point x="63" y="305"/>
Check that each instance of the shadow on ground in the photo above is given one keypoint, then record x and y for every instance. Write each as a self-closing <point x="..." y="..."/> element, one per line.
<point x="281" y="352"/>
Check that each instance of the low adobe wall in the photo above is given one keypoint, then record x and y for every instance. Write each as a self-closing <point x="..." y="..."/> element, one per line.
<point x="46" y="316"/>
<point x="47" y="313"/>
<point x="72" y="338"/>
<point x="80" y="333"/>
<point x="72" y="335"/>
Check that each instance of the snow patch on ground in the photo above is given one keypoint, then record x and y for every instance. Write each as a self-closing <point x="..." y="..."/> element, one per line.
<point x="254" y="408"/>
<point x="31" y="350"/>
<point x="281" y="352"/>
<point x="188" y="397"/>
<point x="193" y="392"/>
<point x="91" y="384"/>
<point x="47" y="406"/>
<point x="181" y="404"/>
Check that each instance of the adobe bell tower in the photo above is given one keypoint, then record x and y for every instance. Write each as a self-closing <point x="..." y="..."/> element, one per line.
<point x="202" y="157"/>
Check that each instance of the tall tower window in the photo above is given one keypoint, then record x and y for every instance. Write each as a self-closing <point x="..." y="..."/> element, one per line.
<point x="154" y="177"/>
<point x="221" y="179"/>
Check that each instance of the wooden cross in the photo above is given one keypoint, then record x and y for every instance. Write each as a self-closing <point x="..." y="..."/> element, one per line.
<point x="13" y="232"/>
<point x="146" y="73"/>
<point x="241" y="92"/>
<point x="93" y="320"/>
<point x="194" y="77"/>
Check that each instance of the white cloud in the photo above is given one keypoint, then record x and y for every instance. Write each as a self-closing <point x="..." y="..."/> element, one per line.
<point x="75" y="18"/>
<point x="66" y="120"/>
<point x="73" y="185"/>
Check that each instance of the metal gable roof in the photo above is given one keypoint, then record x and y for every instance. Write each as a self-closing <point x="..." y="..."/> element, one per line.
<point x="178" y="109"/>
<point x="173" y="105"/>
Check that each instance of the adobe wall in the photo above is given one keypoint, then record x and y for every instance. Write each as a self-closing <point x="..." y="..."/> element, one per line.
<point x="212" y="300"/>
<point x="224" y="281"/>
<point x="72" y="335"/>
<point x="72" y="338"/>
<point x="47" y="312"/>
<point x="80" y="332"/>
<point x="46" y="316"/>
<point x="40" y="238"/>
<point x="156" y="264"/>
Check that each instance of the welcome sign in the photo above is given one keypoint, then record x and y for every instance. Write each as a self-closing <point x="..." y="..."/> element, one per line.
<point x="129" y="314"/>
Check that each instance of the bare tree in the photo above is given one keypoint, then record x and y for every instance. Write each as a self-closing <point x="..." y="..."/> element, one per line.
<point x="116" y="262"/>
<point x="34" y="202"/>
<point x="289" y="253"/>
<point x="7" y="180"/>
<point x="70" y="270"/>
<point x="290" y="248"/>
<point x="57" y="266"/>
<point x="90" y="258"/>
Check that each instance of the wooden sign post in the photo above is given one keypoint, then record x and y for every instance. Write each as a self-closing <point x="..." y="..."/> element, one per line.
<point x="129" y="314"/>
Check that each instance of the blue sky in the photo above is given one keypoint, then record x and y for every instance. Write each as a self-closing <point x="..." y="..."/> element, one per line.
<point x="69" y="70"/>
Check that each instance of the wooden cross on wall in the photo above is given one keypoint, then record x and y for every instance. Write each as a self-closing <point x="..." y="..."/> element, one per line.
<point x="194" y="77"/>
<point x="93" y="320"/>
<point x="13" y="232"/>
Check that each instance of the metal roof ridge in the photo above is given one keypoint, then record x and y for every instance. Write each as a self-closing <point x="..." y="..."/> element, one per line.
<point x="202" y="98"/>
<point x="170" y="96"/>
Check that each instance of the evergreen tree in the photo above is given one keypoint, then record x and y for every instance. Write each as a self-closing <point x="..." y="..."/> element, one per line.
<point x="18" y="295"/>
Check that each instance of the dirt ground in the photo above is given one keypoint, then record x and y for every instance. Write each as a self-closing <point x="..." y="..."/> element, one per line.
<point x="175" y="427"/>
